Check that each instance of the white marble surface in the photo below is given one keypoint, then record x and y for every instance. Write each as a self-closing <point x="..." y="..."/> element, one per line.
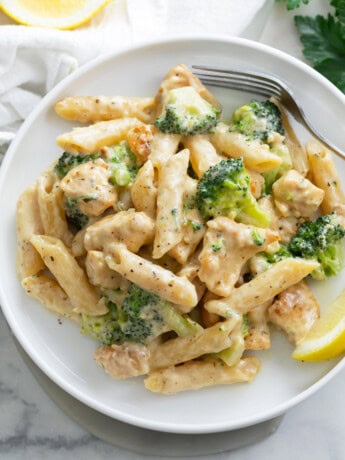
<point x="32" y="427"/>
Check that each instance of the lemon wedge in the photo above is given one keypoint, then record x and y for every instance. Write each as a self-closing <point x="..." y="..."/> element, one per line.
<point x="59" y="14"/>
<point x="326" y="339"/>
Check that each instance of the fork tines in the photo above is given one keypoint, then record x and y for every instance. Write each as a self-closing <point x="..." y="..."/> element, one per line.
<point x="257" y="83"/>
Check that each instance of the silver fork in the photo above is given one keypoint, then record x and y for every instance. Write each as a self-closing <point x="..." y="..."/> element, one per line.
<point x="262" y="85"/>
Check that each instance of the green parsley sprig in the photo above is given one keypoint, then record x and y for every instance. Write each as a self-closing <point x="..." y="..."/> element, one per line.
<point x="323" y="40"/>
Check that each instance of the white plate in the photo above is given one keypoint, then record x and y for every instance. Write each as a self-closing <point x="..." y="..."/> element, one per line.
<point x="60" y="350"/>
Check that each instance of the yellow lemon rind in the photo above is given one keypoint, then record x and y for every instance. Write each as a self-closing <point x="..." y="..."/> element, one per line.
<point x="61" y="24"/>
<point x="322" y="348"/>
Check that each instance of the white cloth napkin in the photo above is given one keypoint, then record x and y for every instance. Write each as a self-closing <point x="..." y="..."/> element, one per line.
<point x="34" y="60"/>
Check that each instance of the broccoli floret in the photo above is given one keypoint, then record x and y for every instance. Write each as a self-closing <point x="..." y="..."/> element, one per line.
<point x="67" y="161"/>
<point x="141" y="316"/>
<point x="187" y="113"/>
<point x="73" y="213"/>
<point x="103" y="328"/>
<point x="123" y="164"/>
<point x="264" y="260"/>
<point x="320" y="239"/>
<point x="224" y="190"/>
<point x="257" y="120"/>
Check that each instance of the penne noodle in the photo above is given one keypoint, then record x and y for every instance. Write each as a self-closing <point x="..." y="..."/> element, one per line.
<point x="297" y="152"/>
<point x="50" y="201"/>
<point x="91" y="109"/>
<point x="90" y="139"/>
<point x="28" y="223"/>
<point x="182" y="349"/>
<point x="193" y="226"/>
<point x="175" y="289"/>
<point x="263" y="287"/>
<point x="326" y="177"/>
<point x="163" y="146"/>
<point x="144" y="190"/>
<point x="256" y="155"/>
<point x="115" y="235"/>
<point x="69" y="275"/>
<point x="171" y="184"/>
<point x="203" y="154"/>
<point x="194" y="375"/>
<point x="48" y="292"/>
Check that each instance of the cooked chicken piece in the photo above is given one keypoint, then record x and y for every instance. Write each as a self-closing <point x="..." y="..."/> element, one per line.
<point x="89" y="184"/>
<point x="123" y="361"/>
<point x="132" y="228"/>
<point x="180" y="76"/>
<point x="259" y="332"/>
<point x="285" y="226"/>
<point x="227" y="247"/>
<point x="295" y="195"/>
<point x="139" y="139"/>
<point x="295" y="311"/>
<point x="99" y="273"/>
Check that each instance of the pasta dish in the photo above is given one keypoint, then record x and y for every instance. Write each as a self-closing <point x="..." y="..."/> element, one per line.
<point x="176" y="238"/>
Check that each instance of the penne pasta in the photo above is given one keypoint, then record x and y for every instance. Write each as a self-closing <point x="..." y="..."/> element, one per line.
<point x="127" y="236"/>
<point x="263" y="287"/>
<point x="144" y="190"/>
<point x="203" y="154"/>
<point x="194" y="375"/>
<point x="192" y="227"/>
<point x="152" y="277"/>
<point x="91" y="138"/>
<point x="28" y="223"/>
<point x="48" y="292"/>
<point x="256" y="155"/>
<point x="163" y="146"/>
<point x="68" y="274"/>
<point x="297" y="152"/>
<point x="182" y="349"/>
<point x="50" y="201"/>
<point x="326" y="177"/>
<point x="91" y="109"/>
<point x="171" y="182"/>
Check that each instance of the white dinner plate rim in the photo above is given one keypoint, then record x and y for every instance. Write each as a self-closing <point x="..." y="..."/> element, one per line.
<point x="34" y="354"/>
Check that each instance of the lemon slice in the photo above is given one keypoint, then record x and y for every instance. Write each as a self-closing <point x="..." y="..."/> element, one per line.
<point x="59" y="14"/>
<point x="326" y="339"/>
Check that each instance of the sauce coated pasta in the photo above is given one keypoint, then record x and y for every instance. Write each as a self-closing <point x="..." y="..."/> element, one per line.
<point x="175" y="238"/>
